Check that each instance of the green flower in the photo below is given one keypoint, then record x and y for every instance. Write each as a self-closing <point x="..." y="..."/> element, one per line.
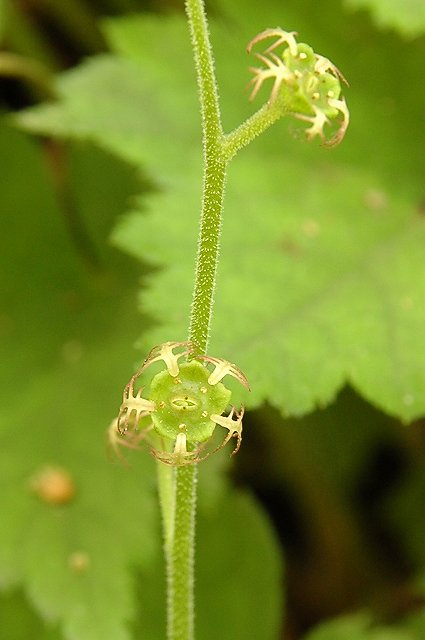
<point x="185" y="403"/>
<point x="305" y="83"/>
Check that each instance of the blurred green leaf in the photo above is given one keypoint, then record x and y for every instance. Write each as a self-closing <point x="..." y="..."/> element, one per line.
<point x="416" y="620"/>
<point x="357" y="627"/>
<point x="19" y="34"/>
<point x="3" y="18"/>
<point x="66" y="338"/>
<point x="238" y="575"/>
<point x="67" y="330"/>
<point x="408" y="17"/>
<point x="18" y="621"/>
<point x="331" y="284"/>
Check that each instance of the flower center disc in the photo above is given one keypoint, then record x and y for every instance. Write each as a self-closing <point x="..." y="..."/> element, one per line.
<point x="187" y="400"/>
<point x="184" y="404"/>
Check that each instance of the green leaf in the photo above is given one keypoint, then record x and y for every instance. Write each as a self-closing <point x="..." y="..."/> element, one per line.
<point x="357" y="627"/>
<point x="408" y="18"/>
<point x="3" y="18"/>
<point x="322" y="262"/>
<point x="67" y="332"/>
<point x="238" y="575"/>
<point x="416" y="620"/>
<point x="19" y="33"/>
<point x="18" y="621"/>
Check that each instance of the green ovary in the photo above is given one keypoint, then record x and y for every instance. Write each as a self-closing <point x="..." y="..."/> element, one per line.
<point x="303" y="61"/>
<point x="308" y="87"/>
<point x="184" y="404"/>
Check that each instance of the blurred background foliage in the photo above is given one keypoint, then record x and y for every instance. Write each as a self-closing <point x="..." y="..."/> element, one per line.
<point x="338" y="491"/>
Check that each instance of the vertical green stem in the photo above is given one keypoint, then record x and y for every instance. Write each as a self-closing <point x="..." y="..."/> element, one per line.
<point x="208" y="250"/>
<point x="177" y="497"/>
<point x="165" y="476"/>
<point x="214" y="178"/>
<point x="180" y="622"/>
<point x="180" y="541"/>
<point x="218" y="150"/>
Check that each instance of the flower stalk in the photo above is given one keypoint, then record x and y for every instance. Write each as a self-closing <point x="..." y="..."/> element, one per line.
<point x="186" y="401"/>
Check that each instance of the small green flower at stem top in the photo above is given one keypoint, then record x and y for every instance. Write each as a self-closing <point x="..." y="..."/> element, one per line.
<point x="185" y="403"/>
<point x="306" y="84"/>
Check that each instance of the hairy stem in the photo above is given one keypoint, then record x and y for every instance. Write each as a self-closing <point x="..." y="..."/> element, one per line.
<point x="214" y="179"/>
<point x="208" y="250"/>
<point x="165" y="478"/>
<point x="218" y="150"/>
<point x="261" y="120"/>
<point x="180" y="620"/>
<point x="180" y="549"/>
